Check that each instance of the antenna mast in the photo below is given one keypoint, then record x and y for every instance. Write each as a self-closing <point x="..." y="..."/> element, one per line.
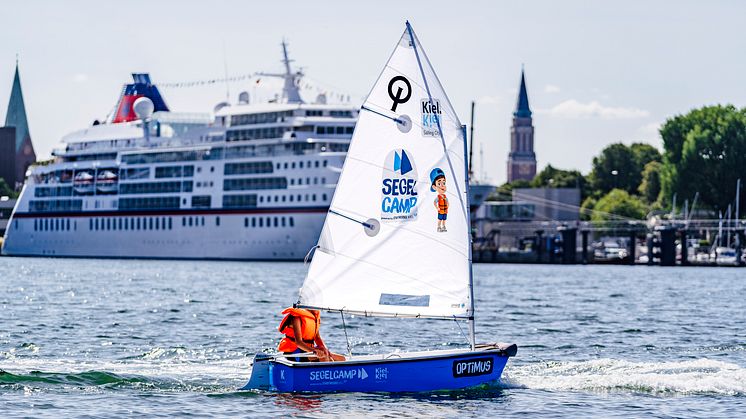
<point x="471" y="140"/>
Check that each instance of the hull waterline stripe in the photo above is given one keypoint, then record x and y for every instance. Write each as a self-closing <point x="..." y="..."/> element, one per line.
<point x="184" y="212"/>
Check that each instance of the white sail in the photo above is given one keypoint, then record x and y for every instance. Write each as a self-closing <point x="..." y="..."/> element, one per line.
<point x="384" y="249"/>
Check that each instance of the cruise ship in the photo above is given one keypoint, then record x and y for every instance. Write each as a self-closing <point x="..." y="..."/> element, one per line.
<point x="251" y="181"/>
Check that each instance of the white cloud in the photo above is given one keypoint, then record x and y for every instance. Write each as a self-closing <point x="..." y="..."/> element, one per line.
<point x="80" y="78"/>
<point x="489" y="100"/>
<point x="550" y="88"/>
<point x="650" y="130"/>
<point x="574" y="109"/>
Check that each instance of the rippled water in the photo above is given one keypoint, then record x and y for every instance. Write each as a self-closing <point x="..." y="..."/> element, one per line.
<point x="164" y="338"/>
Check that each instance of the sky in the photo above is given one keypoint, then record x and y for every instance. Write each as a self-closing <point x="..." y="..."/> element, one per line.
<point x="597" y="72"/>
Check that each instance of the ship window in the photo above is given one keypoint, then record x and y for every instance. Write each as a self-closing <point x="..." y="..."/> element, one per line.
<point x="316" y="164"/>
<point x="75" y="225"/>
<point x="35" y="224"/>
<point x="190" y="221"/>
<point x="199" y="169"/>
<point x="286" y="165"/>
<point x="291" y="198"/>
<point x="300" y="165"/>
<point x="306" y="197"/>
<point x="150" y="223"/>
<point x="188" y="171"/>
<point x="340" y="130"/>
<point x="324" y="197"/>
<point x="138" y="223"/>
<point x="90" y="224"/>
<point x="292" y="165"/>
<point x="95" y="225"/>
<point x="248" y="168"/>
<point x="203" y="221"/>
<point x="276" y="198"/>
<point x="325" y="163"/>
<point x="261" y="222"/>
<point x="275" y="221"/>
<point x="315" y="181"/>
<point x="277" y="166"/>
<point x="268" y="221"/>
<point x="299" y="198"/>
<point x="245" y="222"/>
<point x="253" y="222"/>
<point x="292" y="223"/>
<point x="201" y="201"/>
<point x="120" y="223"/>
<point x="217" y="221"/>
<point x="308" y="181"/>
<point x="261" y="199"/>
<point x="292" y="181"/>
<point x="170" y="223"/>
<point x="323" y="181"/>
<point x="283" y="221"/>
<point x="349" y="130"/>
<point x="183" y="221"/>
<point x="300" y="181"/>
<point x="157" y="223"/>
<point x="313" y="197"/>
<point x="284" y="198"/>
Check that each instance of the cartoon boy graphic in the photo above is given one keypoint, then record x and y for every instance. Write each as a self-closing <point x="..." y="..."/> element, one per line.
<point x="438" y="183"/>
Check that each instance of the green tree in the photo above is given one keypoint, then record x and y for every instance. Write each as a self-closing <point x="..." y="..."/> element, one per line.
<point x="552" y="177"/>
<point x="618" y="203"/>
<point x="650" y="187"/>
<point x="620" y="167"/>
<point x="704" y="151"/>
<point x="505" y="192"/>
<point x="6" y="190"/>
<point x="586" y="208"/>
<point x="644" y="154"/>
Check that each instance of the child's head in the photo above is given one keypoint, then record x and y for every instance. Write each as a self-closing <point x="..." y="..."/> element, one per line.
<point x="438" y="180"/>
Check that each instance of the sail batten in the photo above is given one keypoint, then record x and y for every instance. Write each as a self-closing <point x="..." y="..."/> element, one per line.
<point x="395" y="240"/>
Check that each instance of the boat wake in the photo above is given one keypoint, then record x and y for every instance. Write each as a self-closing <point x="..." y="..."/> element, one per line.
<point x="698" y="376"/>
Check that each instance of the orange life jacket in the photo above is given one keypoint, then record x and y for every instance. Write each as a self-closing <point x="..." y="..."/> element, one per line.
<point x="442" y="204"/>
<point x="309" y="323"/>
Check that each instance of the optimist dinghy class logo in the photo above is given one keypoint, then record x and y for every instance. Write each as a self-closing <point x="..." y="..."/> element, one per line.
<point x="431" y="114"/>
<point x="399" y="187"/>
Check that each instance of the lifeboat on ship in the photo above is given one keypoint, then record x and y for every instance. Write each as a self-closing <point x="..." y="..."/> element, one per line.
<point x="107" y="181"/>
<point x="83" y="183"/>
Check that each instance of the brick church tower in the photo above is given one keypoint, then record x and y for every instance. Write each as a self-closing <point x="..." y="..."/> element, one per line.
<point x="522" y="159"/>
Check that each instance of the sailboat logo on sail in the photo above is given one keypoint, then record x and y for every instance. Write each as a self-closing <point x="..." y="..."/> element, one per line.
<point x="399" y="187"/>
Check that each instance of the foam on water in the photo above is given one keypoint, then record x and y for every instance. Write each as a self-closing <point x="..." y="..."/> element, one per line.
<point x="697" y="376"/>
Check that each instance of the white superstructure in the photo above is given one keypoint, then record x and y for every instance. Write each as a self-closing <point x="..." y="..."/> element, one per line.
<point x="253" y="182"/>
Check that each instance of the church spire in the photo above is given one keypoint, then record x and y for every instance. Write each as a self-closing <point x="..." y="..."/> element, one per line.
<point x="16" y="116"/>
<point x="522" y="110"/>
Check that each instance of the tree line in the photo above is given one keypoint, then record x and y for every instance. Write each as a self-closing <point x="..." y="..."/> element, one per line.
<point x="704" y="153"/>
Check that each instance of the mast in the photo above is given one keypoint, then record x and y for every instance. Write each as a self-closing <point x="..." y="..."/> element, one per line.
<point x="472" y="334"/>
<point x="471" y="140"/>
<point x="290" y="91"/>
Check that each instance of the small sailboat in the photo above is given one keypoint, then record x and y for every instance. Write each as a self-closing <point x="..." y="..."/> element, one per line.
<point x="396" y="242"/>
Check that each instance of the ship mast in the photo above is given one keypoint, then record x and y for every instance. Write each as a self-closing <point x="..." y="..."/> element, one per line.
<point x="290" y="91"/>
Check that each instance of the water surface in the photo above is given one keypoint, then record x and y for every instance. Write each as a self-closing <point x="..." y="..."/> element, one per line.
<point x="164" y="338"/>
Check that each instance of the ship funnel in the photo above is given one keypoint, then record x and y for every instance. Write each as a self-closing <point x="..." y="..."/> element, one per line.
<point x="141" y="87"/>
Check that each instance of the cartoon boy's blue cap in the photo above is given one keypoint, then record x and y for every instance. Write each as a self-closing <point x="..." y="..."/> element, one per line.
<point x="435" y="174"/>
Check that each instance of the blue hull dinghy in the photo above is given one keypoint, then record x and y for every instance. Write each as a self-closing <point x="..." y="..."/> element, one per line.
<point x="407" y="372"/>
<point x="396" y="241"/>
